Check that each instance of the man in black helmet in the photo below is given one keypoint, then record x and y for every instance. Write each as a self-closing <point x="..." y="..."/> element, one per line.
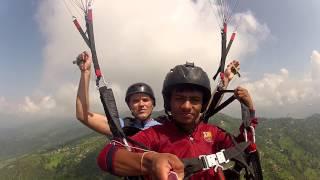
<point x="139" y="98"/>
<point x="186" y="93"/>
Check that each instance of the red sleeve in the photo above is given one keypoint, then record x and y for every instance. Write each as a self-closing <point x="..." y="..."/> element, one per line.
<point x="147" y="137"/>
<point x="106" y="157"/>
<point x="223" y="139"/>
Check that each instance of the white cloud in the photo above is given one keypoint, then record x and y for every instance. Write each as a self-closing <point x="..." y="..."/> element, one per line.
<point x="29" y="106"/>
<point x="250" y="33"/>
<point x="279" y="94"/>
<point x="315" y="63"/>
<point x="136" y="41"/>
<point x="139" y="41"/>
<point x="43" y="105"/>
<point x="136" y="37"/>
<point x="60" y="103"/>
<point x="3" y="103"/>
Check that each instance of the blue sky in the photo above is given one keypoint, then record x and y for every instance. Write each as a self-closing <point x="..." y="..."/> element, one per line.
<point x="20" y="46"/>
<point x="38" y="43"/>
<point x="294" y="27"/>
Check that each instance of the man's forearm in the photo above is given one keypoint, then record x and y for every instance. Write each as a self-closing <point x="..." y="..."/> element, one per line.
<point x="131" y="164"/>
<point x="82" y="102"/>
<point x="122" y="162"/>
<point x="95" y="121"/>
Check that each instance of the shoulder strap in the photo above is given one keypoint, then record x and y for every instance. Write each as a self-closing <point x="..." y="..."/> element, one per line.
<point x="162" y="119"/>
<point x="129" y="121"/>
<point x="129" y="128"/>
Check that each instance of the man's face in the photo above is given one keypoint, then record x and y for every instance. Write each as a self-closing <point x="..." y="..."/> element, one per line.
<point x="141" y="106"/>
<point x="186" y="106"/>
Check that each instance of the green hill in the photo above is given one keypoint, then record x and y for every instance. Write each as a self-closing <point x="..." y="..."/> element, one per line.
<point x="289" y="147"/>
<point x="48" y="133"/>
<point x="288" y="150"/>
<point x="75" y="160"/>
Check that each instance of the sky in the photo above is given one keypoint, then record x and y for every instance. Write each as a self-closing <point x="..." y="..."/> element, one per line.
<point x="277" y="45"/>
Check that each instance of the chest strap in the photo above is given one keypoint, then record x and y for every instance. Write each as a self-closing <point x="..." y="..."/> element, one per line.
<point x="205" y="162"/>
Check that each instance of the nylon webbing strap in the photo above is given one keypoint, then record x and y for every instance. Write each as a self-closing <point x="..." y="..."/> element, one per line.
<point x="89" y="24"/>
<point x="254" y="161"/>
<point x="110" y="108"/>
<point x="212" y="106"/>
<point x="213" y="111"/>
<point x="224" y="104"/>
<point x="223" y="50"/>
<point x="83" y="35"/>
<point x="230" y="44"/>
<point x="254" y="170"/>
<point x="237" y="150"/>
<point x="217" y="95"/>
<point x="204" y="162"/>
<point x="245" y="113"/>
<point x="191" y="166"/>
<point x="106" y="94"/>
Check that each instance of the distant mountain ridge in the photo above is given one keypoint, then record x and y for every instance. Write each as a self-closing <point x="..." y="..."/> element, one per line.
<point x="33" y="136"/>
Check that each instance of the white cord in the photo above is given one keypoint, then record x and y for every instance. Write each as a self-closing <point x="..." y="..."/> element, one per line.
<point x="119" y="143"/>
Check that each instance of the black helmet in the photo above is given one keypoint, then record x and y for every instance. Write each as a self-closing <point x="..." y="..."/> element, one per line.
<point x="139" y="88"/>
<point x="190" y="75"/>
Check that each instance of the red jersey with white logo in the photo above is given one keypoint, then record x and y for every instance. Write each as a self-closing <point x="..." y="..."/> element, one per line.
<point x="168" y="138"/>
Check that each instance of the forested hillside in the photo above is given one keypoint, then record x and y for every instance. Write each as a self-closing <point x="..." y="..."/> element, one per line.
<point x="18" y="140"/>
<point x="288" y="147"/>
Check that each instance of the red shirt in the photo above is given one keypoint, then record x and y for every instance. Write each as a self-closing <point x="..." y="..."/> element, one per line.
<point x="167" y="138"/>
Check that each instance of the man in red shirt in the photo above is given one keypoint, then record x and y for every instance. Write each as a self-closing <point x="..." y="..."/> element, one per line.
<point x="186" y="93"/>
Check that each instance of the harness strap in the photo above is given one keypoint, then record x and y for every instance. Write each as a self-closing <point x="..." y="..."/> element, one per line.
<point x="254" y="161"/>
<point x="212" y="112"/>
<point x="110" y="108"/>
<point x="205" y="162"/>
<point x="109" y="158"/>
